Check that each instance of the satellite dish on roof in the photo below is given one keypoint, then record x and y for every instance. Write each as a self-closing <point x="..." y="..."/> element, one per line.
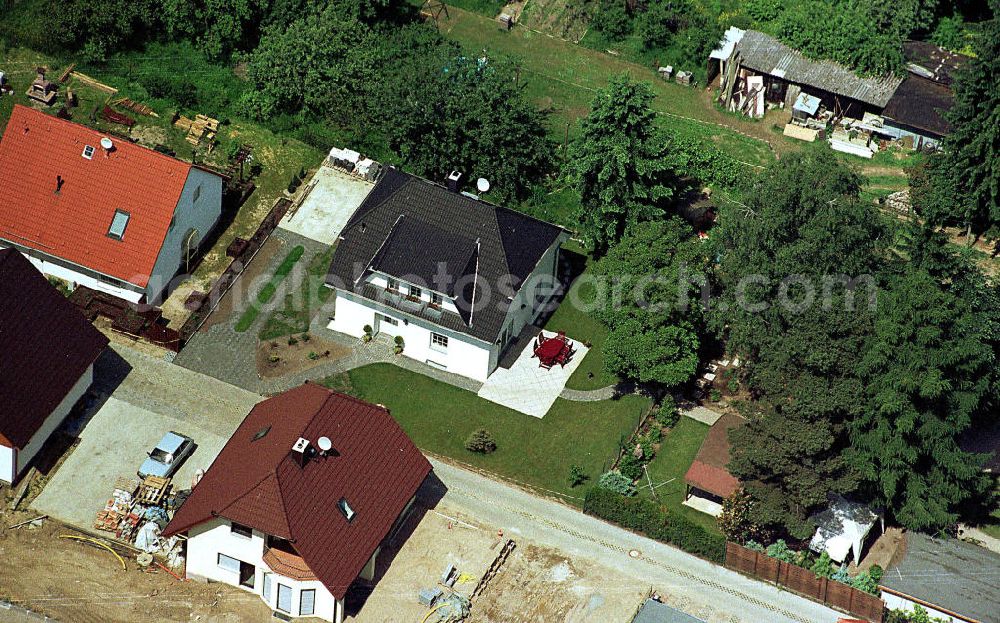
<point x="324" y="444"/>
<point x="482" y="184"/>
<point x="106" y="144"/>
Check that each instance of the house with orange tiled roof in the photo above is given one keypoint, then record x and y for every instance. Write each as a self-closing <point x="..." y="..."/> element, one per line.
<point x="99" y="211"/>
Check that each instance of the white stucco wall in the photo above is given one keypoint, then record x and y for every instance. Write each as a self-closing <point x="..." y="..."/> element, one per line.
<point x="189" y="214"/>
<point x="465" y="355"/>
<point x="66" y="273"/>
<point x="7" y="456"/>
<point x="25" y="454"/>
<point x="208" y="540"/>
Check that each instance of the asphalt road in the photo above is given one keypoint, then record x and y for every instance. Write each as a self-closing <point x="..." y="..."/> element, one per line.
<point x="710" y="589"/>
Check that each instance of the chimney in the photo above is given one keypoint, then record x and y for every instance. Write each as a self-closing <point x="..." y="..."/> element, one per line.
<point x="59" y="183"/>
<point x="301" y="452"/>
<point x="454" y="178"/>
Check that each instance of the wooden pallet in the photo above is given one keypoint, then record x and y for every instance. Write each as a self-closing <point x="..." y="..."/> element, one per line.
<point x="152" y="490"/>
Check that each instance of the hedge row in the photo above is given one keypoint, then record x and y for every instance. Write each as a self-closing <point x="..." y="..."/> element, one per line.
<point x="644" y="515"/>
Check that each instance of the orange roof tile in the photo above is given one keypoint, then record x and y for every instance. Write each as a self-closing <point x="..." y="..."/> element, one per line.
<point x="37" y="149"/>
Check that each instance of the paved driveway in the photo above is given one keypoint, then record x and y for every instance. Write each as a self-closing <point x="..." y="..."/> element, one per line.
<point x="332" y="198"/>
<point x="148" y="397"/>
<point x="700" y="588"/>
<point x="527" y="388"/>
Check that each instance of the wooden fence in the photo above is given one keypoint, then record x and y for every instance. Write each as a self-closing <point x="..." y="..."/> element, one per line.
<point x="803" y="581"/>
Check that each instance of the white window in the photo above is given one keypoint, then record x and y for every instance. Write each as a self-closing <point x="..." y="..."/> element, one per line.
<point x="307" y="601"/>
<point x="267" y="588"/>
<point x="346" y="509"/>
<point x="388" y="320"/>
<point x="392" y="284"/>
<point x="88" y="152"/>
<point x="241" y="530"/>
<point x="228" y="563"/>
<point x="439" y="342"/>
<point x="284" y="599"/>
<point x="118" y="224"/>
<point x="415" y="292"/>
<point x="436" y="299"/>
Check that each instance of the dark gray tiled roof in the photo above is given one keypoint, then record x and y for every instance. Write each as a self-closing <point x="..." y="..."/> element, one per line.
<point x="959" y="576"/>
<point x="418" y="252"/>
<point x="407" y="226"/>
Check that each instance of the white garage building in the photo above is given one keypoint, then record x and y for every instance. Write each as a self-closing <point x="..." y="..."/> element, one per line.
<point x="49" y="350"/>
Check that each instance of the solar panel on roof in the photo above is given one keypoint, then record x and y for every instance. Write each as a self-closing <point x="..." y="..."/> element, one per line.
<point x="118" y="224"/>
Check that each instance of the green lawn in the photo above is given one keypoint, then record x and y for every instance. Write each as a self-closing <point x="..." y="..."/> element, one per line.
<point x="579" y="324"/>
<point x="677" y="450"/>
<point x="561" y="77"/>
<point x="538" y="452"/>
<point x="299" y="306"/>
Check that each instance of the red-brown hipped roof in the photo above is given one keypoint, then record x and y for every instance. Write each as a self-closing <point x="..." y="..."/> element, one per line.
<point x="38" y="150"/>
<point x="373" y="465"/>
<point x="708" y="470"/>
<point x="46" y="346"/>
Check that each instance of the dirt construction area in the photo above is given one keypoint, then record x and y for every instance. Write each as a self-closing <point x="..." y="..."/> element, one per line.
<point x="535" y="584"/>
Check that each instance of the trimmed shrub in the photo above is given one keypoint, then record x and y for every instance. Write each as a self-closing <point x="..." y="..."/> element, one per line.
<point x="780" y="550"/>
<point x="577" y="476"/>
<point x="648" y="517"/>
<point x="480" y="441"/>
<point x="630" y="466"/>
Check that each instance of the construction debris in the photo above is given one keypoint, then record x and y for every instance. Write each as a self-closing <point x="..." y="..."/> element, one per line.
<point x="501" y="558"/>
<point x="116" y="117"/>
<point x="450" y="608"/>
<point x="37" y="521"/>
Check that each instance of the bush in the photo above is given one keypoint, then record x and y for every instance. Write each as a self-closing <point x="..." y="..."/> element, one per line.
<point x="612" y="20"/>
<point x="630" y="466"/>
<point x="823" y="567"/>
<point x="305" y="337"/>
<point x="648" y="517"/>
<point x="577" y="476"/>
<point x="754" y="546"/>
<point x="294" y="184"/>
<point x="617" y="482"/>
<point x="480" y="441"/>
<point x="292" y="341"/>
<point x="715" y="395"/>
<point x="780" y="550"/>
<point x="867" y="581"/>
<point x="667" y="414"/>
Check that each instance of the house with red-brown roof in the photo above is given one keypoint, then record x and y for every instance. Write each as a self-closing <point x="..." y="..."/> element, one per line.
<point x="49" y="350"/>
<point x="99" y="211"/>
<point x="708" y="480"/>
<point x="297" y="505"/>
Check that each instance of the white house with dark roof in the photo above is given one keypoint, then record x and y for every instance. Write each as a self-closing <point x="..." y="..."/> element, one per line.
<point x="457" y="278"/>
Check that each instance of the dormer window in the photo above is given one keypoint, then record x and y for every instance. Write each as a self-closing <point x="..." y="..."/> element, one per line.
<point x="88" y="152"/>
<point x="436" y="299"/>
<point x="118" y="224"/>
<point x="346" y="509"/>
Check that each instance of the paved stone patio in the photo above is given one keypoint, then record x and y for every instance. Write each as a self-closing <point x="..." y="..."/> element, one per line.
<point x="333" y="196"/>
<point x="702" y="414"/>
<point x="527" y="388"/>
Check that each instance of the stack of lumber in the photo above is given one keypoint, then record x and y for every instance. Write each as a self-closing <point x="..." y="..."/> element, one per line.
<point x="152" y="490"/>
<point x="142" y="109"/>
<point x="200" y="128"/>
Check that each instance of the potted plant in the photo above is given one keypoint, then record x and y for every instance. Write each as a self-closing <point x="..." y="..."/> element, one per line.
<point x="398" y="348"/>
<point x="367" y="337"/>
